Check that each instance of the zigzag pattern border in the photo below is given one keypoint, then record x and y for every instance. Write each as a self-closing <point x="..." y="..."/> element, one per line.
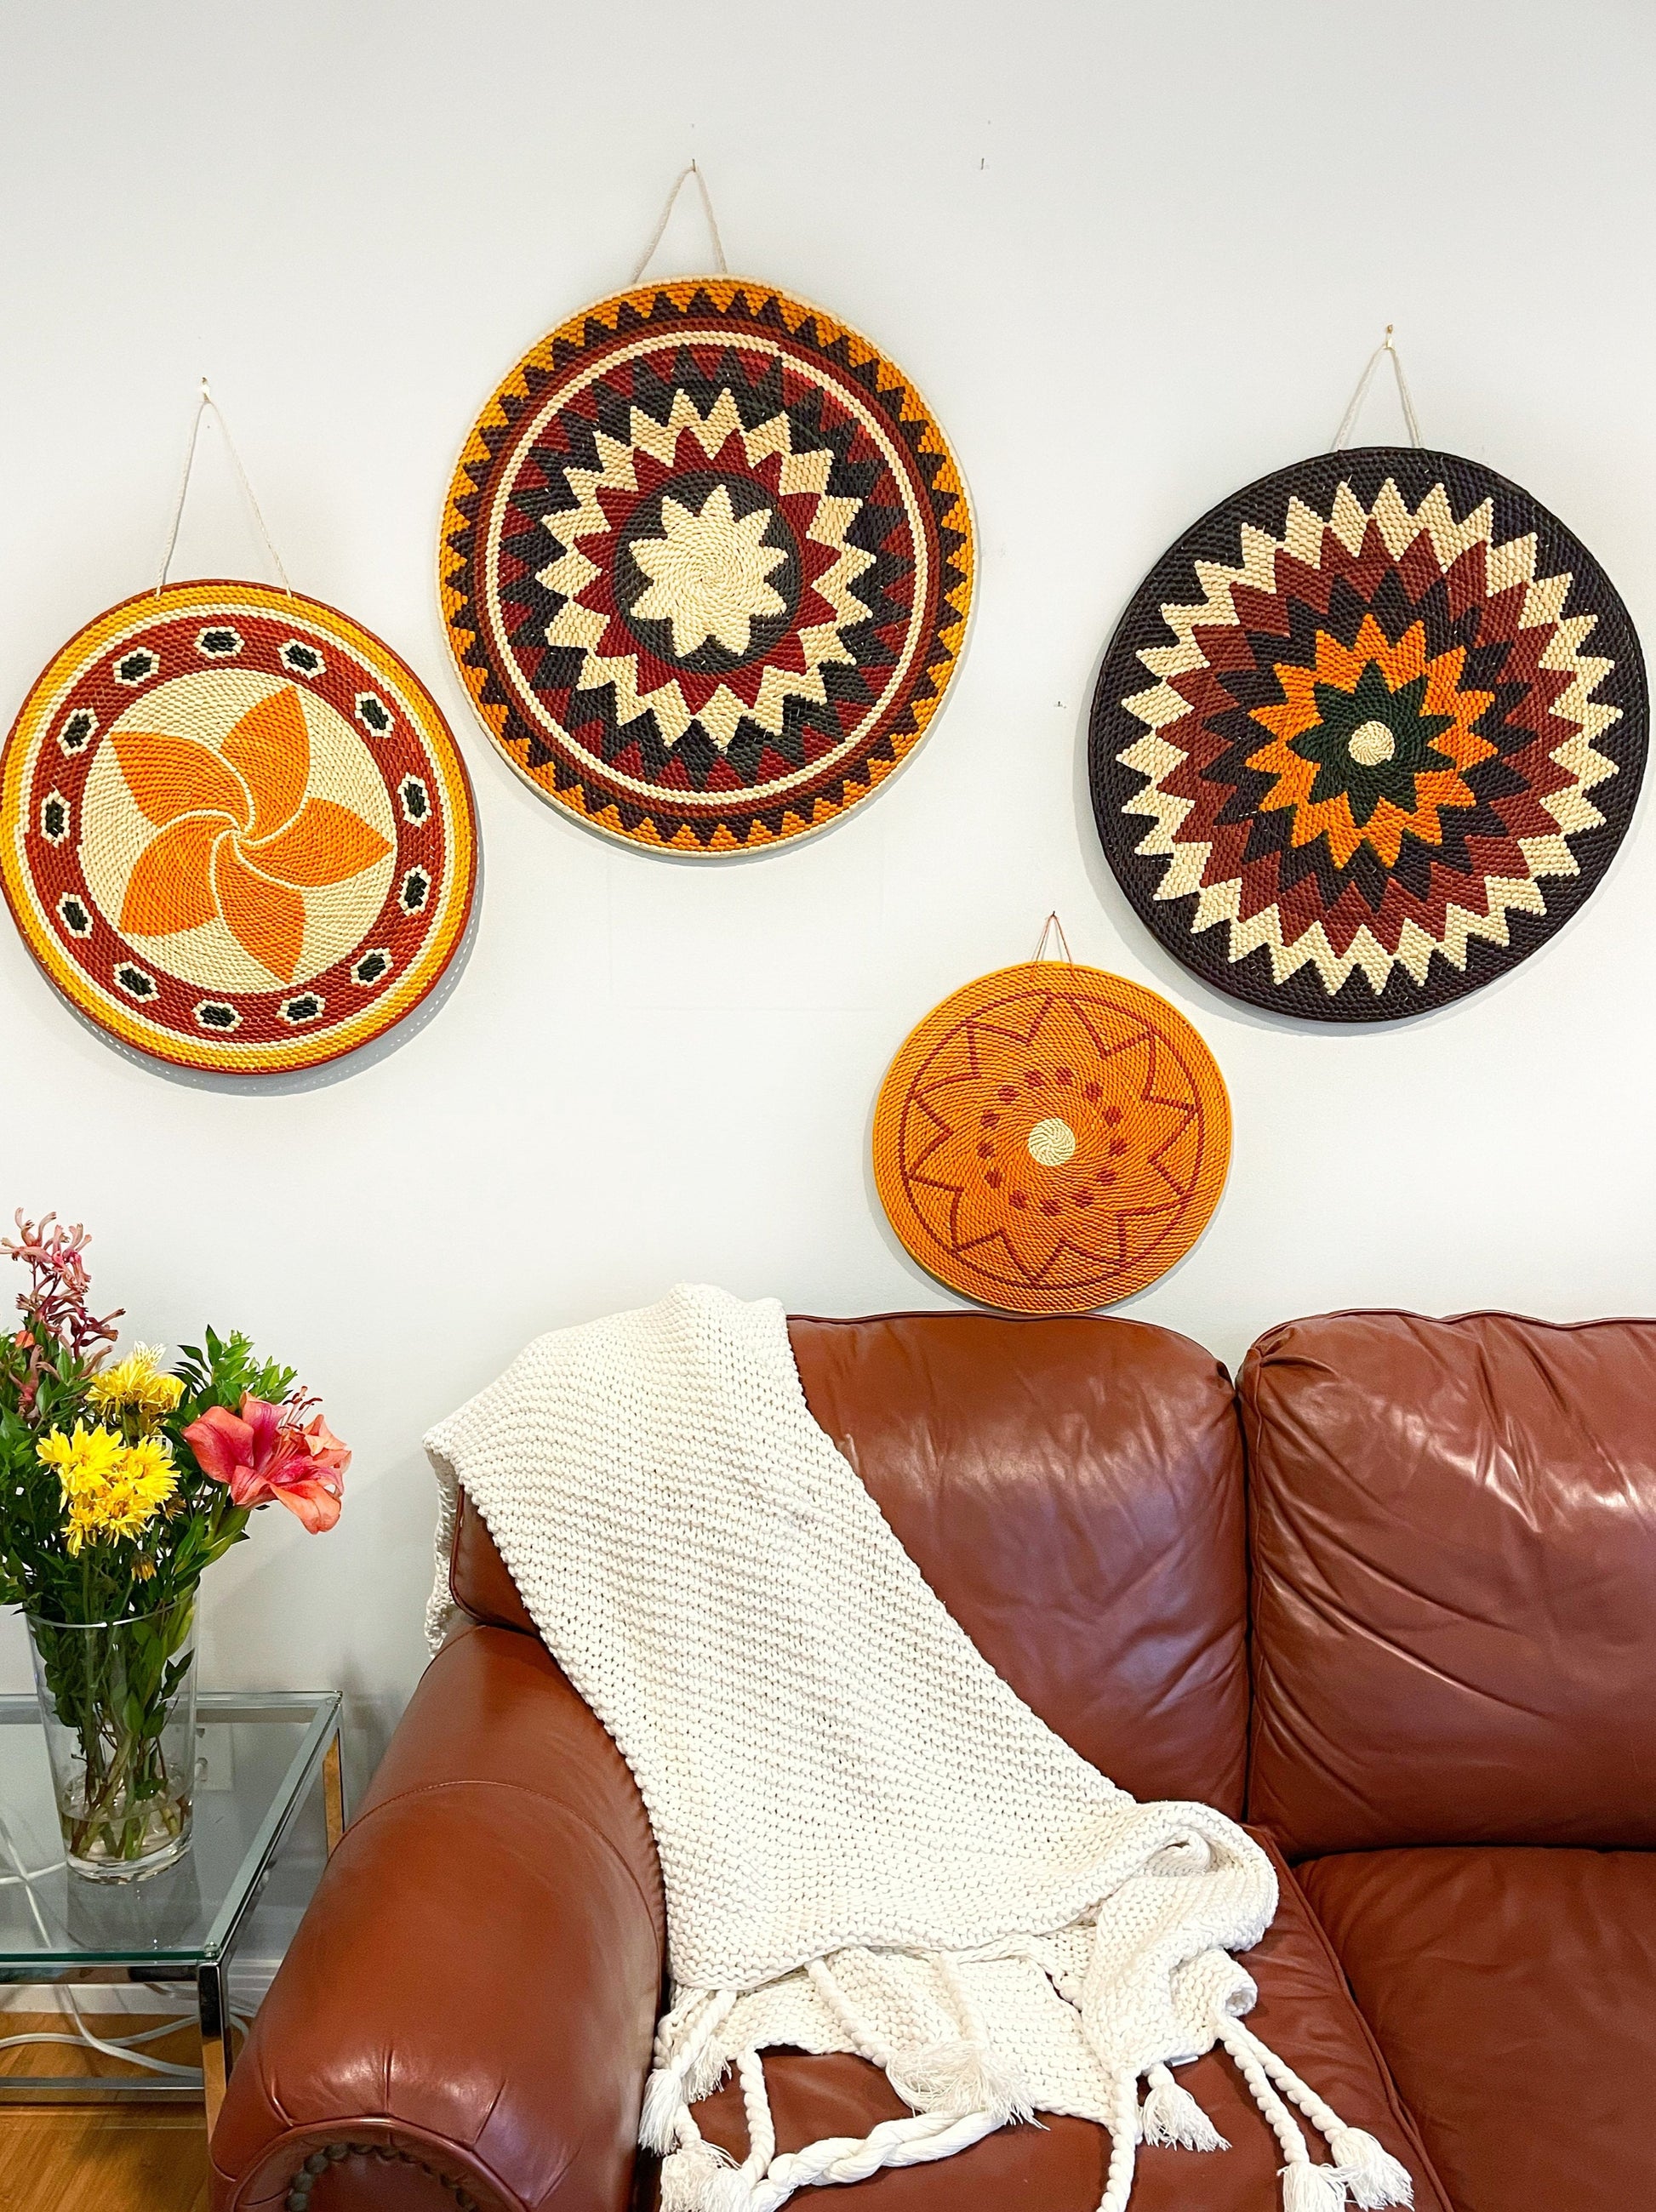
<point x="564" y="780"/>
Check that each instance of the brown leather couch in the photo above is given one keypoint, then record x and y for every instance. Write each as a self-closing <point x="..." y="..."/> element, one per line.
<point x="1400" y="1615"/>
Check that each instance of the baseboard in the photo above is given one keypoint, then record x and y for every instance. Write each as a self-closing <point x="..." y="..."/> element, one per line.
<point x="249" y="1980"/>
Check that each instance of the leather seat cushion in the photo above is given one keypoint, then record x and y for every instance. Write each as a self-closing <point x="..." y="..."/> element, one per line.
<point x="1305" y="2012"/>
<point x="1513" y="1993"/>
<point x="1452" y="1531"/>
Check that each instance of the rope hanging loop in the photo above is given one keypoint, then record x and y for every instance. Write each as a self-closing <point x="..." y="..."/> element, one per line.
<point x="1052" y="927"/>
<point x="205" y="401"/>
<point x="1386" y="350"/>
<point x="683" y="178"/>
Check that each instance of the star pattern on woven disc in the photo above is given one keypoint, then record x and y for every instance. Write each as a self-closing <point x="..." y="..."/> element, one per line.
<point x="708" y="574"/>
<point x="1085" y="1198"/>
<point x="706" y="578"/>
<point x="1051" y="1138"/>
<point x="1379" y="731"/>
<point x="707" y="561"/>
<point x="1371" y="741"/>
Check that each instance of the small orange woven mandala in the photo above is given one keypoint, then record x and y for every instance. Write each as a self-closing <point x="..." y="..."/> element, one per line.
<point x="234" y="829"/>
<point x="1051" y="1139"/>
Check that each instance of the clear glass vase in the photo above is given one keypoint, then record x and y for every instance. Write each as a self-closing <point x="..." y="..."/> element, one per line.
<point x="118" y="1700"/>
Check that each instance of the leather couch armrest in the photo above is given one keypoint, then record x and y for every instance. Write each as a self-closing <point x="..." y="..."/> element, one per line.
<point x="467" y="2012"/>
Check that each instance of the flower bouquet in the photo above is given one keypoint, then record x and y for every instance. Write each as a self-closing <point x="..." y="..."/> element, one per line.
<point x="120" y="1483"/>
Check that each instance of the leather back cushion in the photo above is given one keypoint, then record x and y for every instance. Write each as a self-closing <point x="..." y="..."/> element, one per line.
<point x="1454" y="1535"/>
<point x="1072" y="1490"/>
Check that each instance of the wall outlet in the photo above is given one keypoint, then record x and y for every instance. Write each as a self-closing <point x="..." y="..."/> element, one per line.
<point x="214" y="1757"/>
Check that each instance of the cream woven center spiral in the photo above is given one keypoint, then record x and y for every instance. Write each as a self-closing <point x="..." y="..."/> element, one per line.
<point x="1051" y="1142"/>
<point x="1371" y="744"/>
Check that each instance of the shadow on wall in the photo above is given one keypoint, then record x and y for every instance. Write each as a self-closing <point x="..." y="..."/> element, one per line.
<point x="304" y="1078"/>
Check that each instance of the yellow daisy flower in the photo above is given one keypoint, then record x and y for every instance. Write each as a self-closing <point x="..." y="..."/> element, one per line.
<point x="112" y="1489"/>
<point x="86" y="1461"/>
<point x="137" y="1381"/>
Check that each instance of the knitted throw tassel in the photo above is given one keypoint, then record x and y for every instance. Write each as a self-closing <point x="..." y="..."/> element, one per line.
<point x="963" y="2073"/>
<point x="1369" y="2171"/>
<point x="665" y="2105"/>
<point x="689" y="2172"/>
<point x="1172" y="2118"/>
<point x="959" y="2076"/>
<point x="730" y="2192"/>
<point x="1373" y="2178"/>
<point x="734" y="2191"/>
<point x="688" y="2066"/>
<point x="1308" y="2188"/>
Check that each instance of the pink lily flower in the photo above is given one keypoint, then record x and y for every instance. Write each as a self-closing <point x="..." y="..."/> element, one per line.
<point x="261" y="1456"/>
<point x="325" y="1448"/>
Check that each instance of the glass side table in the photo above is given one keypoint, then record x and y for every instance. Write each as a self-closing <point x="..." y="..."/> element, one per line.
<point x="261" y="1758"/>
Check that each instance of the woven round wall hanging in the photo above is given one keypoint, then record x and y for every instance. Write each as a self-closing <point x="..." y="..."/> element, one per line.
<point x="1050" y="1139"/>
<point x="706" y="565"/>
<point x="1367" y="735"/>
<point x="234" y="829"/>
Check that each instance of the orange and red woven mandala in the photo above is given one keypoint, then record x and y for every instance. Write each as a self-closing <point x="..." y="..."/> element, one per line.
<point x="234" y="831"/>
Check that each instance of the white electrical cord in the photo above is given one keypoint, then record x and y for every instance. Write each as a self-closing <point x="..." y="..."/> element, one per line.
<point x="123" y="2047"/>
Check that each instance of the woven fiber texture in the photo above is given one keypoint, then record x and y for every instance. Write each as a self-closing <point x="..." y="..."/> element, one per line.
<point x="1367" y="735"/>
<point x="234" y="831"/>
<point x="706" y="563"/>
<point x="1051" y="1139"/>
<point x="869" y="1842"/>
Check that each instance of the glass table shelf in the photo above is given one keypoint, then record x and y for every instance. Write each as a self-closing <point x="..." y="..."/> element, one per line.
<point x="261" y="1758"/>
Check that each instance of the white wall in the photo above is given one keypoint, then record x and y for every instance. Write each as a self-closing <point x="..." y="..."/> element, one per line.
<point x="1134" y="255"/>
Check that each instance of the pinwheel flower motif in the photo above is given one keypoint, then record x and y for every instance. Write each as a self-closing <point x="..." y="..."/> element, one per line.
<point x="262" y="1457"/>
<point x="240" y="842"/>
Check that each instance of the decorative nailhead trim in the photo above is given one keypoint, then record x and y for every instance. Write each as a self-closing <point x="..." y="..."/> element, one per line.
<point x="304" y="2178"/>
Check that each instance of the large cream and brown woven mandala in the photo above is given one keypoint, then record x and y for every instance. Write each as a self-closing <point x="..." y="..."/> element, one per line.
<point x="234" y="831"/>
<point x="1367" y="735"/>
<point x="706" y="564"/>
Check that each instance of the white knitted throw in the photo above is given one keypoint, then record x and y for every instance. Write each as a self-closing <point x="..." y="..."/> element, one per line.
<point x="870" y="1842"/>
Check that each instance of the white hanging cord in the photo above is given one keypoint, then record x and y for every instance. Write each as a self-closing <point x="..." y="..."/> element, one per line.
<point x="1387" y="351"/>
<point x="206" y="401"/>
<point x="659" y="232"/>
<point x="118" y="2047"/>
<point x="1050" y="927"/>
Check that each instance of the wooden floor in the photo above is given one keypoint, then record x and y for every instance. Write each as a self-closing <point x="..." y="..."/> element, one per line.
<point x="97" y="2158"/>
<point x="145" y="2159"/>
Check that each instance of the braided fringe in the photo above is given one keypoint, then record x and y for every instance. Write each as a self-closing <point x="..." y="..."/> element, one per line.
<point x="914" y="2141"/>
<point x="959" y="2100"/>
<point x="1123" y="2149"/>
<point x="1374" y="2179"/>
<point x="1305" y="2188"/>
<point x="683" y="2074"/>
<point x="862" y="2037"/>
<point x="959" y="2074"/>
<point x="702" y="2179"/>
<point x="1362" y="2165"/>
<point x="964" y="2073"/>
<point x="734" y="2191"/>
